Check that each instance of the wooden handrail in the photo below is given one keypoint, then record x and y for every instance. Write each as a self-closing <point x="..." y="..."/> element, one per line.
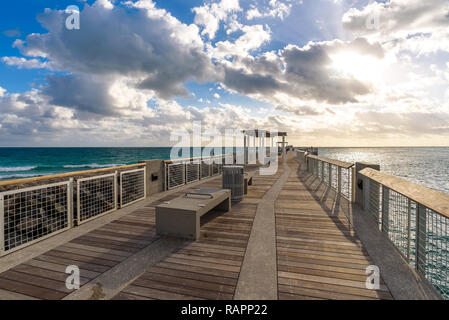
<point x="195" y="158"/>
<point x="431" y="199"/>
<point x="343" y="164"/>
<point x="66" y="175"/>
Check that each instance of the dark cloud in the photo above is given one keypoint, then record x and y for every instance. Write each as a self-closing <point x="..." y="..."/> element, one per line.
<point x="304" y="73"/>
<point x="138" y="43"/>
<point x="89" y="97"/>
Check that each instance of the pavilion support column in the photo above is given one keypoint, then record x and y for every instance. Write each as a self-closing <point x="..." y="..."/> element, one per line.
<point x="283" y="148"/>
<point x="245" y="151"/>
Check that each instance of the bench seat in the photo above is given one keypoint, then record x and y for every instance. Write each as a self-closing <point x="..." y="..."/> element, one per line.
<point x="181" y="216"/>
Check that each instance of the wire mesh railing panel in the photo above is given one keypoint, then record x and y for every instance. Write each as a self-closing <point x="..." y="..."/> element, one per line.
<point x="397" y="215"/>
<point x="346" y="183"/>
<point x="176" y="176"/>
<point x="436" y="250"/>
<point x="192" y="171"/>
<point x="325" y="176"/>
<point x="372" y="204"/>
<point x="319" y="170"/>
<point x="334" y="177"/>
<point x="96" y="196"/>
<point x="32" y="214"/>
<point x="132" y="186"/>
<point x="205" y="169"/>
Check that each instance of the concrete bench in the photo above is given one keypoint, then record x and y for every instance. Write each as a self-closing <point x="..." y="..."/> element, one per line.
<point x="180" y="217"/>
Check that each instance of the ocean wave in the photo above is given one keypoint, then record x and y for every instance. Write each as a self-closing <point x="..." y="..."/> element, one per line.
<point x="17" y="176"/>
<point x="92" y="165"/>
<point x="16" y="169"/>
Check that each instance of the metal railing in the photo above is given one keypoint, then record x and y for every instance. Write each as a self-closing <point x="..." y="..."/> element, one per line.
<point x="415" y="219"/>
<point x="32" y="214"/>
<point x="193" y="171"/>
<point x="176" y="175"/>
<point x="133" y="186"/>
<point x="338" y="175"/>
<point x="184" y="171"/>
<point x="96" y="196"/>
<point x="206" y="168"/>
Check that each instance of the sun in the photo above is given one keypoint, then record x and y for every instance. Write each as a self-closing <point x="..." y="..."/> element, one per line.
<point x="353" y="64"/>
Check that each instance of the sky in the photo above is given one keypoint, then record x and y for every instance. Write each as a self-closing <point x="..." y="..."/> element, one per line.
<point x="329" y="72"/>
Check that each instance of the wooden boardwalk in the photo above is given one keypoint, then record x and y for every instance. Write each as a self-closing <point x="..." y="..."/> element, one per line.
<point x="319" y="256"/>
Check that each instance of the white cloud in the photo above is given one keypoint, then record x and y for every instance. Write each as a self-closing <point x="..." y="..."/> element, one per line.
<point x="21" y="63"/>
<point x="420" y="26"/>
<point x="253" y="37"/>
<point x="146" y="51"/>
<point x="275" y="9"/>
<point x="211" y="15"/>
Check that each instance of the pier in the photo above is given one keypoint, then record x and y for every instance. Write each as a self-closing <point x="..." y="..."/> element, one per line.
<point x="308" y="232"/>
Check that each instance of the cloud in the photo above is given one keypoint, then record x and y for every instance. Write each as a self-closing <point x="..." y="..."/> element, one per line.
<point x="304" y="72"/>
<point x="140" y="46"/>
<point x="275" y="9"/>
<point x="211" y="15"/>
<point x="23" y="63"/>
<point x="299" y="110"/>
<point x="253" y="37"/>
<point x="420" y="26"/>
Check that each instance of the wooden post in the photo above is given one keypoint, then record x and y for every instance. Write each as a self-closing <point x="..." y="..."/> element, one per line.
<point x="329" y="172"/>
<point x="421" y="236"/>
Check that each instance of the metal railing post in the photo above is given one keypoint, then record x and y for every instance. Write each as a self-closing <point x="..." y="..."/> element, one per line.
<point x="70" y="196"/>
<point x="409" y="229"/>
<point x="2" y="225"/>
<point x="353" y="182"/>
<point x="322" y="170"/>
<point x="339" y="180"/>
<point x="385" y="208"/>
<point x="116" y="191"/>
<point x="78" y="201"/>
<point x="145" y="181"/>
<point x="421" y="238"/>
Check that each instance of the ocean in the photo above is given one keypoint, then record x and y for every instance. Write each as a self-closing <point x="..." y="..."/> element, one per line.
<point x="427" y="166"/>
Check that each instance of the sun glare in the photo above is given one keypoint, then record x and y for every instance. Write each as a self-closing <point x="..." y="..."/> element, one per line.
<point x="359" y="66"/>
